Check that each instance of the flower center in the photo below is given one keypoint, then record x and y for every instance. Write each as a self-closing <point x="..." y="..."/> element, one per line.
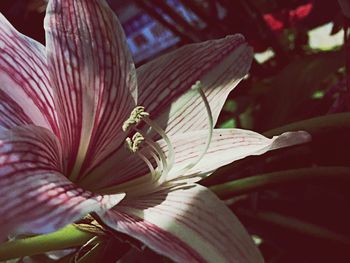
<point x="163" y="163"/>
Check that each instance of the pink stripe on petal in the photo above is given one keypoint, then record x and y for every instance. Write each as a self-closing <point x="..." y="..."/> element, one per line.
<point x="186" y="224"/>
<point x="227" y="145"/>
<point x="189" y="112"/>
<point x="123" y="166"/>
<point x="11" y="114"/>
<point x="32" y="144"/>
<point x="94" y="79"/>
<point x="34" y="195"/>
<point x="25" y="85"/>
<point x="219" y="64"/>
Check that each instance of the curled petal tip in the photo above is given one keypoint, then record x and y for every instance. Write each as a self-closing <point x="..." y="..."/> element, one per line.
<point x="291" y="138"/>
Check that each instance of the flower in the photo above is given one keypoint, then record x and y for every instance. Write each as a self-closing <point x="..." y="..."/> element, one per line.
<point x="66" y="111"/>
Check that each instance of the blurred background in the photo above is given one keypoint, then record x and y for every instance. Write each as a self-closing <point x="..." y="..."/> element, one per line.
<point x="299" y="80"/>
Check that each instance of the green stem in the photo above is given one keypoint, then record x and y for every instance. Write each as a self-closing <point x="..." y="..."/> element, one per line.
<point x="263" y="181"/>
<point x="314" y="125"/>
<point x="67" y="237"/>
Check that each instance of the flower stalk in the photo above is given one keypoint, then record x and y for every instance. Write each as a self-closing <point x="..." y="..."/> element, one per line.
<point x="67" y="237"/>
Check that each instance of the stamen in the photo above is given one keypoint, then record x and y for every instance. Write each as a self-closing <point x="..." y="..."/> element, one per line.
<point x="164" y="164"/>
<point x="160" y="131"/>
<point x="133" y="145"/>
<point x="135" y="117"/>
<point x="160" y="153"/>
<point x="135" y="142"/>
<point x="150" y="166"/>
<point x="159" y="170"/>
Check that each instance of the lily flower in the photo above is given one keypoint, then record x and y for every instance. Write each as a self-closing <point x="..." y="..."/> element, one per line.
<point x="68" y="109"/>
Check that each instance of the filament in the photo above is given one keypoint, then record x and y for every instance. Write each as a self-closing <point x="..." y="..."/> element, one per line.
<point x="159" y="130"/>
<point x="160" y="153"/>
<point x="149" y="164"/>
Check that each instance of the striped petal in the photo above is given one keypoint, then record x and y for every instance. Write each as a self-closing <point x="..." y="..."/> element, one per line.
<point x="122" y="167"/>
<point x="186" y="224"/>
<point x="25" y="92"/>
<point x="34" y="196"/>
<point x="218" y="64"/>
<point x="94" y="78"/>
<point x="227" y="145"/>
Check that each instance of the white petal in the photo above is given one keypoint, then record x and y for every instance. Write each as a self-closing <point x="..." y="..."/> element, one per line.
<point x="218" y="64"/>
<point x="186" y="224"/>
<point x="227" y="145"/>
<point x="93" y="76"/>
<point x="34" y="195"/>
<point x="25" y="93"/>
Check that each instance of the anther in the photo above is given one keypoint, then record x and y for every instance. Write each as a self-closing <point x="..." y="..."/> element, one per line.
<point x="164" y="164"/>
<point x="134" y="143"/>
<point x="135" y="117"/>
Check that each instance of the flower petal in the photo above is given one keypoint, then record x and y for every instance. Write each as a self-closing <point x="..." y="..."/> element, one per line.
<point x="34" y="196"/>
<point x="93" y="75"/>
<point x="227" y="145"/>
<point x="186" y="224"/>
<point x="218" y="64"/>
<point x="122" y="167"/>
<point x="25" y="86"/>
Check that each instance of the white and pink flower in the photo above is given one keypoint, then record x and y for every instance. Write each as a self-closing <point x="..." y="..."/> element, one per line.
<point x="62" y="146"/>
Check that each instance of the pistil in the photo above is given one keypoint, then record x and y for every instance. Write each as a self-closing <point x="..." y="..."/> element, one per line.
<point x="198" y="87"/>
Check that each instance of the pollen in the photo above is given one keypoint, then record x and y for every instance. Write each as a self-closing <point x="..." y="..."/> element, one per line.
<point x="135" y="142"/>
<point x="135" y="117"/>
